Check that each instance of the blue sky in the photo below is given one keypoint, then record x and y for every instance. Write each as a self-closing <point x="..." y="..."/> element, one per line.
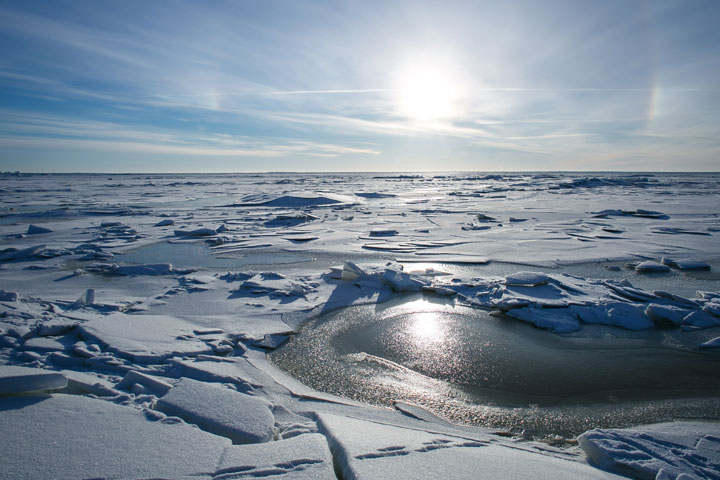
<point x="245" y="86"/>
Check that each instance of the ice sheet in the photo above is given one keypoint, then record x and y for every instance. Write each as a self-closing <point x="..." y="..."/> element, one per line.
<point x="91" y="291"/>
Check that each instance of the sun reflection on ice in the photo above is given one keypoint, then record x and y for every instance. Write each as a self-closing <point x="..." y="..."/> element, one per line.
<point x="427" y="328"/>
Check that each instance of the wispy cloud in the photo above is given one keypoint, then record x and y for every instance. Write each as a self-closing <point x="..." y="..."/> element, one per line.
<point x="37" y="130"/>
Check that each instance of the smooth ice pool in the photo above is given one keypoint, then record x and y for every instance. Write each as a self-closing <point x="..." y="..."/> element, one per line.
<point x="473" y="368"/>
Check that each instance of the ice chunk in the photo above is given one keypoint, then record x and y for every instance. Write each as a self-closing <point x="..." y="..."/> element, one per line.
<point x="8" y="296"/>
<point x="650" y="266"/>
<point x="527" y="279"/>
<point x="271" y="341"/>
<point x="560" y="320"/>
<point x="628" y="316"/>
<point x="56" y="326"/>
<point x="86" y="298"/>
<point x="665" y="314"/>
<point x="28" y="252"/>
<point x="383" y="232"/>
<point x="153" y="383"/>
<point x="351" y="272"/>
<point x="164" y="223"/>
<point x="364" y="449"/>
<point x="44" y="344"/>
<point x="403" y="282"/>
<point x="302" y="457"/>
<point x="701" y="319"/>
<point x="144" y="338"/>
<point x="619" y="314"/>
<point x="240" y="417"/>
<point x="690" y="265"/>
<point x="15" y="380"/>
<point x="198" y="232"/>
<point x="712" y="308"/>
<point x="714" y="343"/>
<point x="689" y="448"/>
<point x="34" y="230"/>
<point x="73" y="436"/>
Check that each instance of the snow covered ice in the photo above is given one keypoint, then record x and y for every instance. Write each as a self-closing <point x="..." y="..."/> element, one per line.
<point x="144" y="321"/>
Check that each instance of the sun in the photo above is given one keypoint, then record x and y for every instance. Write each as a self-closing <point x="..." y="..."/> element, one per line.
<point x="427" y="95"/>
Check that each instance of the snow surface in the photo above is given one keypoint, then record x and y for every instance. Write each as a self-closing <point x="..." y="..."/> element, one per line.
<point x="661" y="451"/>
<point x="367" y="450"/>
<point x="96" y="350"/>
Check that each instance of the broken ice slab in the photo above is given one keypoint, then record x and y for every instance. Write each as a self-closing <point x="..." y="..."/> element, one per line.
<point x="690" y="265"/>
<point x="198" y="232"/>
<point x="383" y="232"/>
<point x="34" y="230"/>
<point x="73" y="436"/>
<point x="304" y="456"/>
<point x="651" y="267"/>
<point x="153" y="383"/>
<point x="527" y="279"/>
<point x="714" y="343"/>
<point x="144" y="338"/>
<point x="16" y="380"/>
<point x="220" y="410"/>
<point x="8" y="296"/>
<point x="364" y="449"/>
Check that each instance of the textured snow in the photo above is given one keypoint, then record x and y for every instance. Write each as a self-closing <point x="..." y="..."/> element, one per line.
<point x="239" y="417"/>
<point x="660" y="451"/>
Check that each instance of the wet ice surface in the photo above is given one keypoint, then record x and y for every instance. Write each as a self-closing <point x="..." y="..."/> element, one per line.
<point x="470" y="367"/>
<point x="548" y="304"/>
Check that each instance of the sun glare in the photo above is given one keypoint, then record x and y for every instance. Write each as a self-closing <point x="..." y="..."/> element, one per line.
<point x="425" y="95"/>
